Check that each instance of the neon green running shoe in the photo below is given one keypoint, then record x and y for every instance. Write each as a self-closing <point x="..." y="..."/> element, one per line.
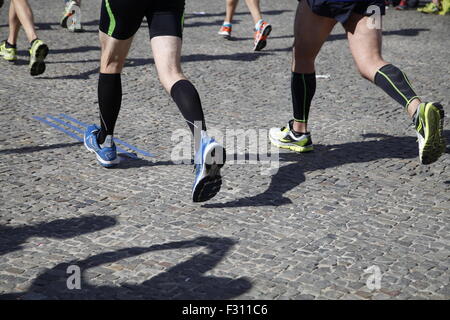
<point x="430" y="127"/>
<point x="38" y="52"/>
<point x="9" y="54"/>
<point x="285" y="138"/>
<point x="429" y="8"/>
<point x="445" y="4"/>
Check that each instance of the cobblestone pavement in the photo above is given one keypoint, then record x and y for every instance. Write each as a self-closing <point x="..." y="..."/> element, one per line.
<point x="309" y="231"/>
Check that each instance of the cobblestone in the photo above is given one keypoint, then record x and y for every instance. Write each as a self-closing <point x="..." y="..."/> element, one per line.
<point x="308" y="231"/>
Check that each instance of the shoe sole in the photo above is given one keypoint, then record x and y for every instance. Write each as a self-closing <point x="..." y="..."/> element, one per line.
<point x="103" y="163"/>
<point x="434" y="144"/>
<point x="291" y="147"/>
<point x="225" y="36"/>
<point x="8" y="59"/>
<point x="262" y="42"/>
<point x="37" y="64"/>
<point x="441" y="126"/>
<point x="208" y="186"/>
<point x="76" y="30"/>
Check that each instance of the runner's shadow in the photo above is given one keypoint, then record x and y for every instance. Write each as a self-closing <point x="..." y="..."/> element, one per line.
<point x="217" y="23"/>
<point x="80" y="49"/>
<point x="39" y="148"/>
<point x="324" y="157"/>
<point x="11" y="238"/>
<point x="222" y="14"/>
<point x="137" y="62"/>
<point x="186" y="280"/>
<point x="410" y="32"/>
<point x="249" y="38"/>
<point x="129" y="163"/>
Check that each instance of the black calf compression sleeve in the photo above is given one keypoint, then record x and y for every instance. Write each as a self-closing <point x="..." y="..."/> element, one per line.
<point x="303" y="87"/>
<point x="109" y="100"/>
<point x="395" y="83"/>
<point x="188" y="101"/>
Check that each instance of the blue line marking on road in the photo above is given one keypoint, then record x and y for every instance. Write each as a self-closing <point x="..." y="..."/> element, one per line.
<point x="76" y="129"/>
<point x="65" y="124"/>
<point x="51" y="124"/>
<point x="145" y="153"/>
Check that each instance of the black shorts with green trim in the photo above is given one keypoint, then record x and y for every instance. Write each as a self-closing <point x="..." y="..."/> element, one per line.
<point x="341" y="10"/>
<point x="121" y="19"/>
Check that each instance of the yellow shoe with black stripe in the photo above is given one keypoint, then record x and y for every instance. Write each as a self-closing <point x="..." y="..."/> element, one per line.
<point x="445" y="5"/>
<point x="286" y="138"/>
<point x="38" y="52"/>
<point x="429" y="123"/>
<point x="9" y="54"/>
<point x="429" y="8"/>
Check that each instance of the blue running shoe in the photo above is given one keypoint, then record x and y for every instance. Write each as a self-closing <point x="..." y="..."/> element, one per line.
<point x="106" y="156"/>
<point x="209" y="159"/>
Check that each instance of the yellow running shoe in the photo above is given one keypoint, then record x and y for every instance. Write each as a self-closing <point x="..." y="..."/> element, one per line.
<point x="285" y="138"/>
<point x="445" y="4"/>
<point x="429" y="127"/>
<point x="9" y="54"/>
<point x="38" y="52"/>
<point x="429" y="8"/>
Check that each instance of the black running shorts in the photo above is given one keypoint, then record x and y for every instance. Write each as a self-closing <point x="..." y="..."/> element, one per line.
<point x="121" y="19"/>
<point x="341" y="10"/>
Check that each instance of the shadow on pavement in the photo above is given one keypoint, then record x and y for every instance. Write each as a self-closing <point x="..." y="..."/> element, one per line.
<point x="11" y="238"/>
<point x="185" y="280"/>
<point x="39" y="148"/>
<point x="136" y="62"/>
<point x="222" y="14"/>
<point x="323" y="157"/>
<point x="410" y="32"/>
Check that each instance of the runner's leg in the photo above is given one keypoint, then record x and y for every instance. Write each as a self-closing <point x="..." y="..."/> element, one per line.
<point x="14" y="25"/>
<point x="114" y="53"/>
<point x="365" y="45"/>
<point x="310" y="33"/>
<point x="25" y="15"/>
<point x="255" y="10"/>
<point x="167" y="53"/>
<point x="230" y="10"/>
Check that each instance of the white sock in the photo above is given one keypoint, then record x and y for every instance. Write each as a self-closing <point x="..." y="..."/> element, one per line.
<point x="108" y="142"/>
<point x="258" y="24"/>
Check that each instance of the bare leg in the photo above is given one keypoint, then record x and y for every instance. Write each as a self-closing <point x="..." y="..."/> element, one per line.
<point x="25" y="15"/>
<point x="230" y="10"/>
<point x="14" y="25"/>
<point x="114" y="53"/>
<point x="253" y="6"/>
<point x="365" y="45"/>
<point x="167" y="53"/>
<point x="310" y="33"/>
